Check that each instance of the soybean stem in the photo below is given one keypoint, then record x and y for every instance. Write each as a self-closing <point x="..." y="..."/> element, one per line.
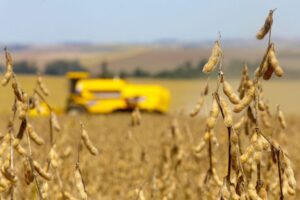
<point x="279" y="174"/>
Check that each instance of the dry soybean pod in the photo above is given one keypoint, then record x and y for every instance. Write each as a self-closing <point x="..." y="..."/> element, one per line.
<point x="281" y="118"/>
<point x="67" y="196"/>
<point x="136" y="117"/>
<point x="244" y="79"/>
<point x="18" y="147"/>
<point x="211" y="120"/>
<point x="140" y="194"/>
<point x="4" y="144"/>
<point x="265" y="119"/>
<point x="264" y="67"/>
<point x="9" y="68"/>
<point x="6" y="78"/>
<point x="54" y="156"/>
<point x="54" y="121"/>
<point x="198" y="106"/>
<point x="268" y="73"/>
<point x="47" y="176"/>
<point x="9" y="174"/>
<point x="34" y="136"/>
<point x="67" y="152"/>
<point x="288" y="170"/>
<point x="246" y="100"/>
<point x="22" y="109"/>
<point x="239" y="124"/>
<point x="261" y="105"/>
<point x="45" y="190"/>
<point x="227" y="113"/>
<point x="266" y="27"/>
<point x="87" y="142"/>
<point x="228" y="91"/>
<point x="17" y="90"/>
<point x="264" y="64"/>
<point x="27" y="171"/>
<point x="213" y="59"/>
<point x="273" y="62"/>
<point x="197" y="149"/>
<point x="80" y="185"/>
<point x="42" y="85"/>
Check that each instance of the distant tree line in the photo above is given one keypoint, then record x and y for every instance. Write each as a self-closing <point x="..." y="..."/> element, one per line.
<point x="61" y="67"/>
<point x="57" y="67"/>
<point x="22" y="67"/>
<point x="183" y="71"/>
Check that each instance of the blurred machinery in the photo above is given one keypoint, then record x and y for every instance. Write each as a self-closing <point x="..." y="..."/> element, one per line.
<point x="107" y="95"/>
<point x="93" y="95"/>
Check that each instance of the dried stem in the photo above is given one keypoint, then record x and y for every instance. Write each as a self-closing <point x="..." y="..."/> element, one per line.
<point x="270" y="33"/>
<point x="77" y="166"/>
<point x="11" y="160"/>
<point x="276" y="125"/>
<point x="229" y="154"/>
<point x="210" y="169"/>
<point x="279" y="174"/>
<point x="29" y="158"/>
<point x="51" y="132"/>
<point x="43" y="99"/>
<point x="276" y="147"/>
<point x="59" y="181"/>
<point x="11" y="132"/>
<point x="210" y="154"/>
<point x="216" y="96"/>
<point x="50" y="121"/>
<point x="259" y="182"/>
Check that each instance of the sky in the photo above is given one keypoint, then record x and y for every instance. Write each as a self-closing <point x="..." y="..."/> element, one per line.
<point x="142" y="21"/>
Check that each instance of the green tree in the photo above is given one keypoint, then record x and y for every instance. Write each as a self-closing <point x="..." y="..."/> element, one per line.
<point x="23" y="67"/>
<point x="140" y="73"/>
<point x="123" y="74"/>
<point x="61" y="67"/>
<point x="184" y="70"/>
<point x="105" y="73"/>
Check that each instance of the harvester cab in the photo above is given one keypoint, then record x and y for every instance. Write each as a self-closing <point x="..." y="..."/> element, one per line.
<point x="73" y="78"/>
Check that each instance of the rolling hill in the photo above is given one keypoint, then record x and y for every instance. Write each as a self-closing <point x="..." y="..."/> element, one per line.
<point x="154" y="57"/>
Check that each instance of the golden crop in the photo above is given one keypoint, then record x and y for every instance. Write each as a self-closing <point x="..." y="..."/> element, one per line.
<point x="250" y="155"/>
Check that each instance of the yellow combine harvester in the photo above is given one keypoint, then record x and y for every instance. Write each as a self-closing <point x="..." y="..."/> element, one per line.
<point x="109" y="95"/>
<point x="100" y="96"/>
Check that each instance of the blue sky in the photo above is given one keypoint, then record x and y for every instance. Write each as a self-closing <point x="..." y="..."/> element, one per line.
<point x="55" y="21"/>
